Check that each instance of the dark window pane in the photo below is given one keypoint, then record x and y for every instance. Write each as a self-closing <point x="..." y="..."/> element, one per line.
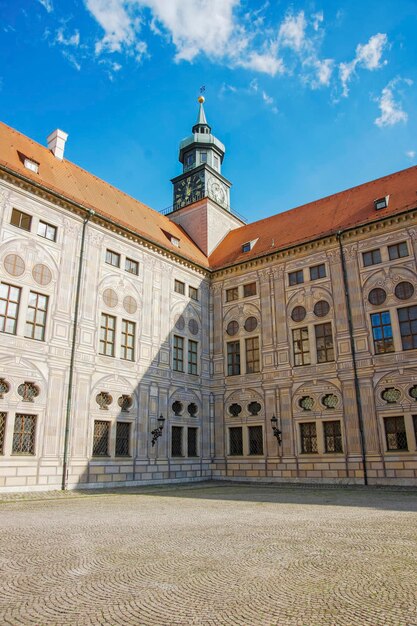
<point x="235" y="441"/>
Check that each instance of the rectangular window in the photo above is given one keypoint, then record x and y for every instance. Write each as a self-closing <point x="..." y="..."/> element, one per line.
<point x="203" y="157"/>
<point x="407" y="318"/>
<point x="372" y="257"/>
<point x="256" y="445"/>
<point x="318" y="271"/>
<point x="179" y="287"/>
<point x="382" y="332"/>
<point x="21" y="220"/>
<point x="395" y="434"/>
<point x="128" y="340"/>
<point x="122" y="438"/>
<point x="252" y="355"/>
<point x="324" y="343"/>
<point x="113" y="258"/>
<point x="107" y="334"/>
<point x="2" y="431"/>
<point x="308" y="438"/>
<point x="192" y="442"/>
<point x="24" y="434"/>
<point x="178" y="362"/>
<point x="36" y="316"/>
<point x="246" y="247"/>
<point x="232" y="294"/>
<point x="233" y="358"/>
<point x="296" y="278"/>
<point x="415" y="427"/>
<point x="235" y="441"/>
<point x="101" y="438"/>
<point x="176" y="441"/>
<point x="193" y="293"/>
<point x="301" y="346"/>
<point x="192" y="357"/>
<point x="398" y="251"/>
<point x="249" y="290"/>
<point x="332" y="437"/>
<point x="47" y="231"/>
<point x="132" y="266"/>
<point x="216" y="162"/>
<point x="9" y="307"/>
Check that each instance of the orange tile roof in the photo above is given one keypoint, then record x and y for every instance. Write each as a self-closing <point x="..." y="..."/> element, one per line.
<point x="76" y="184"/>
<point x="317" y="219"/>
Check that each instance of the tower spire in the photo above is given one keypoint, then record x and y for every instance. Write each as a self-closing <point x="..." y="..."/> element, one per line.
<point x="201" y="126"/>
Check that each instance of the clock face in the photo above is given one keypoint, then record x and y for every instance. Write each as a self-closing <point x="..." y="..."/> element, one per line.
<point x="189" y="190"/>
<point x="217" y="191"/>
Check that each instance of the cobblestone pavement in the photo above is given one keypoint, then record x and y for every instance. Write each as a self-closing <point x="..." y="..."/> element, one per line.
<point x="213" y="555"/>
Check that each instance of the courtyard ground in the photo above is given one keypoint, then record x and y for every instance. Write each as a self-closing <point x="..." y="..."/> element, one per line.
<point x="211" y="554"/>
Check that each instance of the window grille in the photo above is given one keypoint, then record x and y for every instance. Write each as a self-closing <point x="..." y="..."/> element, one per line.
<point x="125" y="402"/>
<point x="193" y="293"/>
<point x="104" y="400"/>
<point x="112" y="258"/>
<point x="377" y="296"/>
<point x="179" y="287"/>
<point x="232" y="328"/>
<point x="330" y="401"/>
<point x="321" y="308"/>
<point x="4" y="388"/>
<point x="295" y="278"/>
<point x="177" y="407"/>
<point x="372" y="257"/>
<point x="252" y="355"/>
<point x="110" y="298"/>
<point x="178" y="362"/>
<point x="251" y="324"/>
<point x="404" y="290"/>
<point x="24" y="434"/>
<point x="122" y="438"/>
<point x="180" y="322"/>
<point x="21" y="220"/>
<point x="236" y="441"/>
<point x="192" y="441"/>
<point x="28" y="391"/>
<point x="318" y="271"/>
<point x="232" y="294"/>
<point x="14" y="265"/>
<point x="398" y="250"/>
<point x="407" y="318"/>
<point x="233" y="358"/>
<point x="36" y="316"/>
<point x="128" y="340"/>
<point x="324" y="343"/>
<point x="3" y="417"/>
<point x="192" y="409"/>
<point x="396" y="436"/>
<point x="256" y="446"/>
<point x="306" y="403"/>
<point x="132" y="266"/>
<point x="298" y="313"/>
<point x="249" y="290"/>
<point x="254" y="408"/>
<point x="101" y="438"/>
<point x="9" y="307"/>
<point x="391" y="395"/>
<point x="235" y="409"/>
<point x="193" y="327"/>
<point x="415" y="427"/>
<point x="47" y="231"/>
<point x="130" y="305"/>
<point x="107" y="334"/>
<point x="332" y="437"/>
<point x="176" y="441"/>
<point x="301" y="346"/>
<point x="41" y="274"/>
<point x="308" y="438"/>
<point x="382" y="332"/>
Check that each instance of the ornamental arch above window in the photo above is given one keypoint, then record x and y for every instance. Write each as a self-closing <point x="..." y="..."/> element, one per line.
<point x="391" y="395"/>
<point x="104" y="400"/>
<point x="321" y="308"/>
<point x="404" y="290"/>
<point x="377" y="296"/>
<point x="28" y="391"/>
<point x="306" y="403"/>
<point x="298" y="313"/>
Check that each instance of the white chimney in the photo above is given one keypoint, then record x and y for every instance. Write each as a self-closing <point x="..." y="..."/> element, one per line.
<point x="56" y="143"/>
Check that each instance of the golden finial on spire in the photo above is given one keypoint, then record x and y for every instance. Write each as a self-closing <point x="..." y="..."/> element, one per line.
<point x="201" y="99"/>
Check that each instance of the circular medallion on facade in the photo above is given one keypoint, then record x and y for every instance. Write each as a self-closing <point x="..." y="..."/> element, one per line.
<point x="404" y="290"/>
<point x="298" y="313"/>
<point x="232" y="328"/>
<point x="14" y="265"/>
<point x="110" y="298"/>
<point x="377" y="296"/>
<point x="254" y="408"/>
<point x="42" y="274"/>
<point x="391" y="395"/>
<point x="177" y="407"/>
<point x="193" y="327"/>
<point x="130" y="305"/>
<point x="192" y="409"/>
<point x="330" y="401"/>
<point x="235" y="409"/>
<point x="180" y="322"/>
<point x="306" y="403"/>
<point x="251" y="323"/>
<point x="321" y="308"/>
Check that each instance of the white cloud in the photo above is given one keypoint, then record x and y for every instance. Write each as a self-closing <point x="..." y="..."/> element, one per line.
<point x="317" y="19"/>
<point x="74" y="40"/>
<point x="47" y="4"/>
<point x="120" y="26"/>
<point x="368" y="56"/>
<point x="291" y="33"/>
<point x="391" y="110"/>
<point x="269" y="101"/>
<point x="71" y="58"/>
<point x="410" y="154"/>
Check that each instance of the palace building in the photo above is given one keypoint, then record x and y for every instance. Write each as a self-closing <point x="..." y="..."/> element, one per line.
<point x="140" y="347"/>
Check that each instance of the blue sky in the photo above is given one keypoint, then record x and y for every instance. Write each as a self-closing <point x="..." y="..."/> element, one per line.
<point x="309" y="97"/>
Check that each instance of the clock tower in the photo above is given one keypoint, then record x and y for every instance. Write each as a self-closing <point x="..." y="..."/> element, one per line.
<point x="201" y="194"/>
